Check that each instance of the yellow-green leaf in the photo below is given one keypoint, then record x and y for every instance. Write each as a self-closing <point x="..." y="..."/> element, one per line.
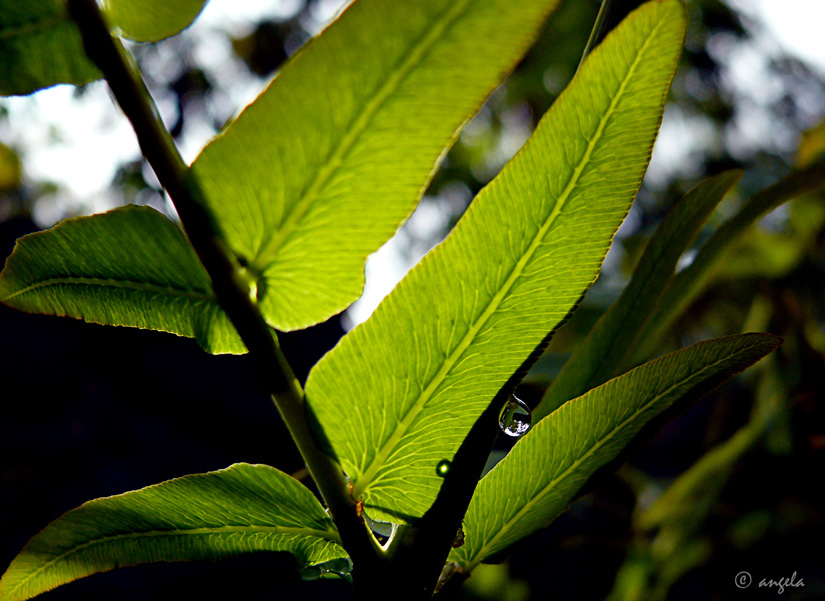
<point x="400" y="392"/>
<point x="541" y="475"/>
<point x="324" y="166"/>
<point x="151" y="20"/>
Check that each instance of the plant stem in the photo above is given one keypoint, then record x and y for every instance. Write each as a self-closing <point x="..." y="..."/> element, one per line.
<point x="611" y="13"/>
<point x="231" y="290"/>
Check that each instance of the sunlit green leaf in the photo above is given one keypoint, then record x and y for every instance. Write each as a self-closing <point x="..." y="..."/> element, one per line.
<point x="323" y="167"/>
<point x="596" y="359"/>
<point x="151" y="20"/>
<point x="40" y="46"/>
<point x="129" y="267"/>
<point x="400" y="392"/>
<point x="548" y="466"/>
<point x="241" y="509"/>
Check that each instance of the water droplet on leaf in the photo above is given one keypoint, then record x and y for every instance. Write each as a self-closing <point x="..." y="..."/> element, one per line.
<point x="249" y="279"/>
<point x="443" y="468"/>
<point x="336" y="568"/>
<point x="515" y="418"/>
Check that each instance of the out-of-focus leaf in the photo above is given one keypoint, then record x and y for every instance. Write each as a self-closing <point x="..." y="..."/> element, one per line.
<point x="151" y="20"/>
<point x="694" y="493"/>
<point x="530" y="487"/>
<point x="686" y="285"/>
<point x="594" y="361"/>
<point x="40" y="46"/>
<point x="128" y="267"/>
<point x="760" y="253"/>
<point x="812" y="145"/>
<point x="400" y="392"/>
<point x="241" y="509"/>
<point x="322" y="168"/>
<point x="10" y="172"/>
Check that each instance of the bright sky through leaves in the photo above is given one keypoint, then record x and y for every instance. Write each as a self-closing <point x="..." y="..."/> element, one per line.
<point x="91" y="139"/>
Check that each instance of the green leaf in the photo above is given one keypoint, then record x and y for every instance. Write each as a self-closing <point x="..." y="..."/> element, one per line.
<point x="11" y="172"/>
<point x="686" y="285"/>
<point x="689" y="499"/>
<point x="40" y="46"/>
<point x="210" y="516"/>
<point x="322" y="168"/>
<point x="400" y="392"/>
<point x="541" y="475"/>
<point x="128" y="267"/>
<point x="151" y="20"/>
<point x="596" y="359"/>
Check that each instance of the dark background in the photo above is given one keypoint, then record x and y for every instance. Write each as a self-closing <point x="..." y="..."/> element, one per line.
<point x="90" y="411"/>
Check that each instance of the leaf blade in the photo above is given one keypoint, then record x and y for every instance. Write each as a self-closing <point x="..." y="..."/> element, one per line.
<point x="488" y="296"/>
<point x="591" y="430"/>
<point x="354" y="125"/>
<point x="40" y="46"/>
<point x="689" y="283"/>
<point x="240" y="509"/>
<point x="152" y="20"/>
<point x="616" y="331"/>
<point x="128" y="267"/>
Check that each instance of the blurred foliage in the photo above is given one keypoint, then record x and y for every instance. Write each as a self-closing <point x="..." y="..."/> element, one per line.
<point x="732" y="484"/>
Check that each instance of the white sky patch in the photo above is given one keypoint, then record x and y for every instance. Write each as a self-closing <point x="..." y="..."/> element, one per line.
<point x="796" y="24"/>
<point x="94" y="138"/>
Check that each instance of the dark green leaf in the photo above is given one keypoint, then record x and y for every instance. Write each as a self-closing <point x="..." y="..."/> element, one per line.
<point x="129" y="267"/>
<point x="241" y="509"/>
<point x="686" y="285"/>
<point x="40" y="46"/>
<point x="530" y="487"/>
<point x="596" y="359"/>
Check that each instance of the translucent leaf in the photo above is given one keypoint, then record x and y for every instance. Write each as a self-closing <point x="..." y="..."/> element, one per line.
<point x="210" y="516"/>
<point x="40" y="46"/>
<point x="400" y="392"/>
<point x="541" y="475"/>
<point x="151" y="20"/>
<point x="596" y="359"/>
<point x="128" y="267"/>
<point x="322" y="168"/>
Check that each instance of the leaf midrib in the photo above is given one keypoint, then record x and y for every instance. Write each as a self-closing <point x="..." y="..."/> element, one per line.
<point x="131" y="285"/>
<point x="270" y="245"/>
<point x="329" y="535"/>
<point x="595" y="447"/>
<point x="363" y="482"/>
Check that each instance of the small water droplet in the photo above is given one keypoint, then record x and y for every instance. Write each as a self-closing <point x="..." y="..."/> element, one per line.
<point x="248" y="278"/>
<point x="443" y="468"/>
<point x="515" y="418"/>
<point x="336" y="568"/>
